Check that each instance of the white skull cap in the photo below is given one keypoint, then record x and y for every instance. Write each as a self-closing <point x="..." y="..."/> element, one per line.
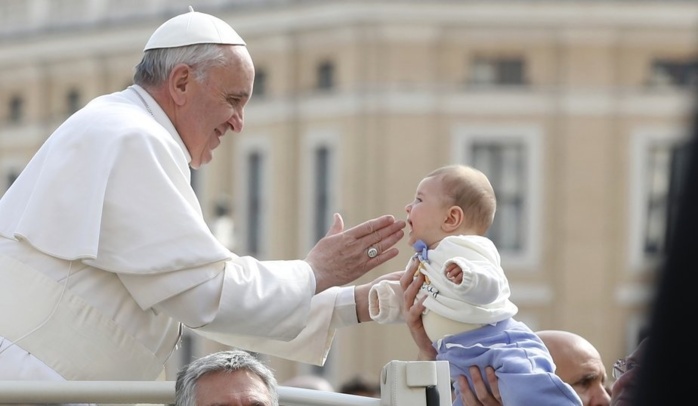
<point x="193" y="28"/>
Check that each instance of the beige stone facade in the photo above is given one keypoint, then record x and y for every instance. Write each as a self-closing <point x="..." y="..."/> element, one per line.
<point x="571" y="108"/>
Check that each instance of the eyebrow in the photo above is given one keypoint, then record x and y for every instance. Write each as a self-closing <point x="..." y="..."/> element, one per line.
<point x="238" y="95"/>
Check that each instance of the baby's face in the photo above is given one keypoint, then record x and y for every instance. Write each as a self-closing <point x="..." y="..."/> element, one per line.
<point x="426" y="213"/>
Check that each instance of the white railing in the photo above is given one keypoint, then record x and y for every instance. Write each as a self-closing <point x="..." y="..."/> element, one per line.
<point x="402" y="383"/>
<point x="139" y="392"/>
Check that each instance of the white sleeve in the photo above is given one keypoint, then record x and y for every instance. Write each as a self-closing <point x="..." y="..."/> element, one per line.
<point x="266" y="307"/>
<point x="385" y="302"/>
<point x="261" y="298"/>
<point x="329" y="310"/>
<point x="482" y="281"/>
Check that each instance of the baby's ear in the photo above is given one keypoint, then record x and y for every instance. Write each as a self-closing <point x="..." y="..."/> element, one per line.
<point x="454" y="219"/>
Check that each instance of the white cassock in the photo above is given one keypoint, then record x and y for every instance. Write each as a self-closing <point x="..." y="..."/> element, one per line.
<point x="104" y="252"/>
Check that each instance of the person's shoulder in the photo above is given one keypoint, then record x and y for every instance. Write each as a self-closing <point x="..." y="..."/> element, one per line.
<point x="116" y="108"/>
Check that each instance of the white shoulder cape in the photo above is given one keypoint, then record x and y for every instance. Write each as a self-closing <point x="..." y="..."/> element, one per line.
<point x="111" y="187"/>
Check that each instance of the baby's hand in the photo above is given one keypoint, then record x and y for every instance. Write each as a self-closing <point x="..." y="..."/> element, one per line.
<point x="454" y="273"/>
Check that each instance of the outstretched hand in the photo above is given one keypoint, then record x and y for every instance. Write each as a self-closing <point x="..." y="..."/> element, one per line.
<point x="480" y="396"/>
<point x="342" y="255"/>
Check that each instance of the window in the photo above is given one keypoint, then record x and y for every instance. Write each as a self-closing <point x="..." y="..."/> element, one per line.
<point x="665" y="163"/>
<point x="10" y="178"/>
<point x="251" y="194"/>
<point x="510" y="157"/>
<point x="254" y="202"/>
<point x="321" y="192"/>
<point x="260" y="83"/>
<point x="658" y="166"/>
<point x="659" y="158"/>
<point x="223" y="226"/>
<point x="325" y="76"/>
<point x="16" y="109"/>
<point x="677" y="175"/>
<point x="319" y="183"/>
<point x="73" y="101"/>
<point x="674" y="72"/>
<point x="497" y="71"/>
<point x="195" y="182"/>
<point x="504" y="164"/>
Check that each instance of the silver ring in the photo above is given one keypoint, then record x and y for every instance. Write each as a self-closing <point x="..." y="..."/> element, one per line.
<point x="372" y="252"/>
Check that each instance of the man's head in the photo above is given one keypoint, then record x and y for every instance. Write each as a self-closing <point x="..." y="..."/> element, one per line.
<point x="451" y="200"/>
<point x="201" y="74"/>
<point x="578" y="364"/>
<point x="231" y="378"/>
<point x="624" y="388"/>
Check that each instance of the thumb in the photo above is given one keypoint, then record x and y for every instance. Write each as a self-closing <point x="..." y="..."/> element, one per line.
<point x="337" y="225"/>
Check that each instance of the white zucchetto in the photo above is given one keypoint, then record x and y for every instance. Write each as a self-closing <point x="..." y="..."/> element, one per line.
<point x="193" y="28"/>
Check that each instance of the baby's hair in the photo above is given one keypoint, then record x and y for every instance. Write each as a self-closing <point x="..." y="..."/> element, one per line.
<point x="471" y="191"/>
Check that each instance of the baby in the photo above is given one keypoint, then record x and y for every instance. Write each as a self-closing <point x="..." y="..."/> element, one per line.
<point x="469" y="317"/>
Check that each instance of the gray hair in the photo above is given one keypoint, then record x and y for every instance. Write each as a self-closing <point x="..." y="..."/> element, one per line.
<point x="223" y="361"/>
<point x="157" y="64"/>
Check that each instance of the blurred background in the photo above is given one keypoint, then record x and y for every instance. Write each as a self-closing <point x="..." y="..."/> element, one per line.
<point x="576" y="110"/>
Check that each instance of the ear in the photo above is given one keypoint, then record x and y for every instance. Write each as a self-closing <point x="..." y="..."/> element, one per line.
<point x="454" y="219"/>
<point x="180" y="80"/>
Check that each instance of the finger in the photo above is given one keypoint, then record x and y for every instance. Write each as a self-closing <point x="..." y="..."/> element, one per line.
<point x="386" y="238"/>
<point x="412" y="288"/>
<point x="481" y="390"/>
<point x="368" y="227"/>
<point x="418" y="308"/>
<point x="337" y="225"/>
<point x="467" y="396"/>
<point x="494" y="382"/>
<point x="382" y="257"/>
<point x="381" y="233"/>
<point x="408" y="275"/>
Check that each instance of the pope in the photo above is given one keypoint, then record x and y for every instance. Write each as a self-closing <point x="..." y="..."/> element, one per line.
<point x="104" y="251"/>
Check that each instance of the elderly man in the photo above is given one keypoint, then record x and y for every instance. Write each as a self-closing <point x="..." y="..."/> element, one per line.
<point x="233" y="378"/>
<point x="579" y="364"/>
<point x="104" y="252"/>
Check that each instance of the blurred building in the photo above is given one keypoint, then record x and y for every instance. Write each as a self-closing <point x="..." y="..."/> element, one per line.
<point x="576" y="110"/>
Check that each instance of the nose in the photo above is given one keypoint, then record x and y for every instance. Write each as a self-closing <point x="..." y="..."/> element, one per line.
<point x="236" y="121"/>
<point x="600" y="397"/>
<point x="408" y="208"/>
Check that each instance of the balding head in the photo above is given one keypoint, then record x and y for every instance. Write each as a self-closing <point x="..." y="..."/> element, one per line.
<point x="579" y="364"/>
